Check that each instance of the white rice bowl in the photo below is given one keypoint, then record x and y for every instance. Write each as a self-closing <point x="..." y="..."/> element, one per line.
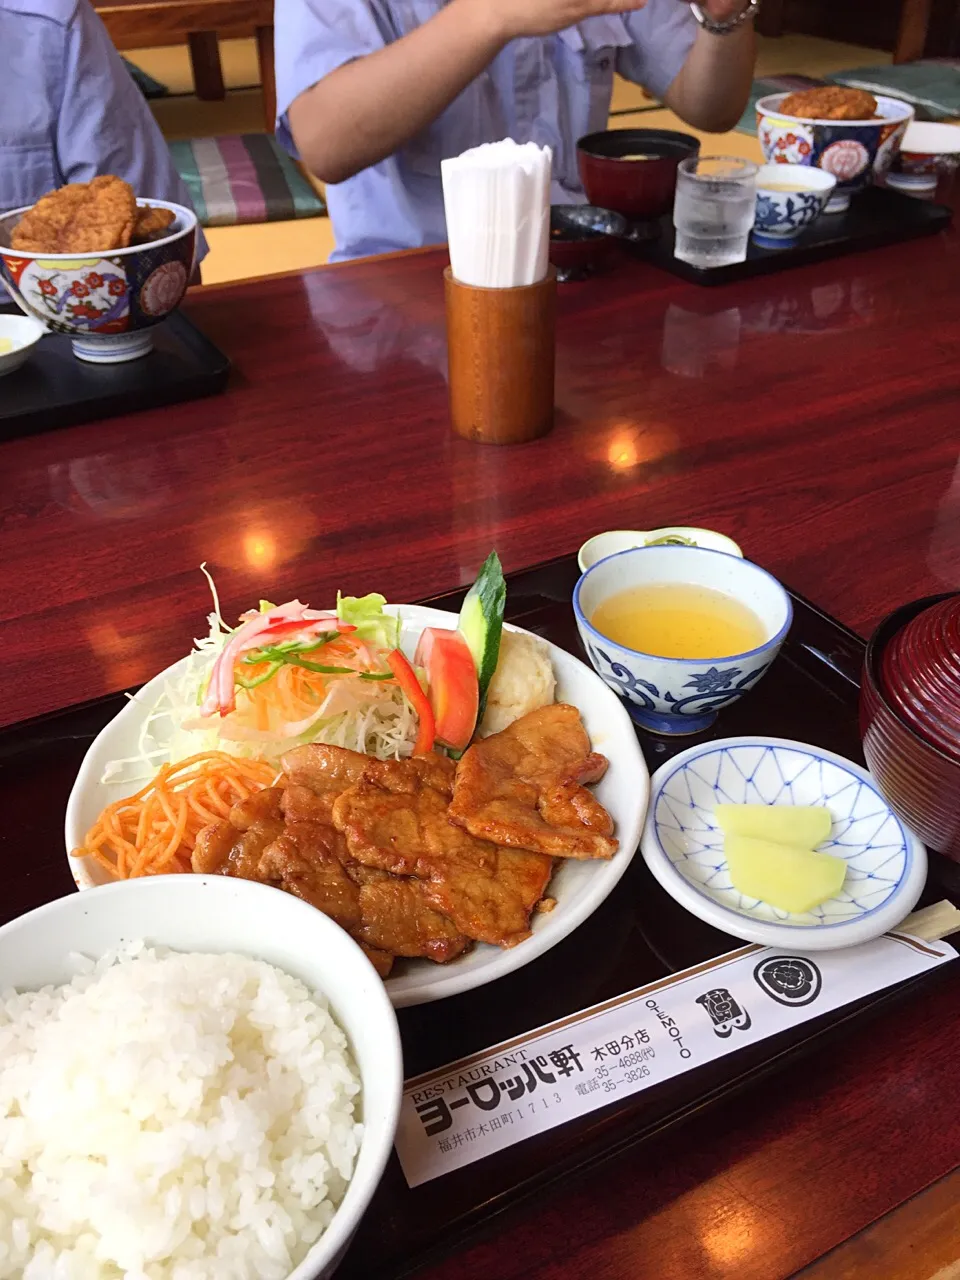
<point x="188" y="1114"/>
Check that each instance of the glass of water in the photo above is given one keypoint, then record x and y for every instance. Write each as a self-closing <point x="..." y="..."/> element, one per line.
<point x="714" y="210"/>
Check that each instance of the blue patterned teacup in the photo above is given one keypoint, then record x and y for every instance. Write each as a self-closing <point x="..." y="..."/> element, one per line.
<point x="680" y="695"/>
<point x="790" y="198"/>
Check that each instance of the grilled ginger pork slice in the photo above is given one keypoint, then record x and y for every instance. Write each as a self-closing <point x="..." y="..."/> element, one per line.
<point x="396" y="819"/>
<point x="283" y="836"/>
<point x="524" y="788"/>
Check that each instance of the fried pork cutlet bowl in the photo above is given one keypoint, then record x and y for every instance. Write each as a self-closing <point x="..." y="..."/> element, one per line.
<point x="854" y="151"/>
<point x="216" y="915"/>
<point x="107" y="301"/>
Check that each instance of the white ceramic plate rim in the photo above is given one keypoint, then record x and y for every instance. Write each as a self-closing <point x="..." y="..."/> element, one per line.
<point x="625" y="790"/>
<point x="824" y="937"/>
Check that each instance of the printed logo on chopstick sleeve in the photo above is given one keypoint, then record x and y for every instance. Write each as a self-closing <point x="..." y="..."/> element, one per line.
<point x="725" y="1014"/>
<point x="484" y="1103"/>
<point x="790" y="980"/>
<point x="492" y="1092"/>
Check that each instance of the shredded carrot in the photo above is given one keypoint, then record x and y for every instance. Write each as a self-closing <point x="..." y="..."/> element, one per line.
<point x="293" y="693"/>
<point x="155" y="831"/>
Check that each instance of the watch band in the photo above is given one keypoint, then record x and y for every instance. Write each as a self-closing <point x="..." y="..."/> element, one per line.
<point x="731" y="24"/>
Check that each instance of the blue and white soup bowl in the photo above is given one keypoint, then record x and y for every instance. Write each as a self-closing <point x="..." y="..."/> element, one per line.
<point x="783" y="215"/>
<point x="680" y="695"/>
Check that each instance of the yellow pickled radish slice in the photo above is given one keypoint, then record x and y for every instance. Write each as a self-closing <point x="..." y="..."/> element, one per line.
<point x="792" y="879"/>
<point x="804" y="826"/>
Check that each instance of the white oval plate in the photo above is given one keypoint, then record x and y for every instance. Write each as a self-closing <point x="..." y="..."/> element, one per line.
<point x="578" y="887"/>
<point x="683" y="846"/>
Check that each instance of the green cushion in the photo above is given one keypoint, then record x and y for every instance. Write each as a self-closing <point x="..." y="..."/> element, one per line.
<point x="933" y="86"/>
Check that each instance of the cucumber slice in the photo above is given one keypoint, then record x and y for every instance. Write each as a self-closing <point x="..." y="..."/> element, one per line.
<point x="481" y="622"/>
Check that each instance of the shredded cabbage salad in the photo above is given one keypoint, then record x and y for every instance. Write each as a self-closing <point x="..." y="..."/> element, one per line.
<point x="287" y="676"/>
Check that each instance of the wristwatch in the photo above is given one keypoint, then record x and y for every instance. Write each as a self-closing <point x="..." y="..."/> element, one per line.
<point x="731" y="24"/>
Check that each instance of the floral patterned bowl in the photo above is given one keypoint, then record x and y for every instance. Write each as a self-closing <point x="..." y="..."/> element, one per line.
<point x="782" y="215"/>
<point x="929" y="151"/>
<point x="854" y="151"/>
<point x="106" y="301"/>
<point x="680" y="695"/>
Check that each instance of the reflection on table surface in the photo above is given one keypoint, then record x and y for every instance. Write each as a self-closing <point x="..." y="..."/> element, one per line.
<point x="805" y="413"/>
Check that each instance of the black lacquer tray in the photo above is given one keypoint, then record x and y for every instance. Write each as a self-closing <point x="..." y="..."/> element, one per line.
<point x="637" y="936"/>
<point x="877" y="217"/>
<point x="55" y="389"/>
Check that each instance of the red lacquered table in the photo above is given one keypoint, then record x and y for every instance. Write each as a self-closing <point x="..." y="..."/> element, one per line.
<point x="812" y="415"/>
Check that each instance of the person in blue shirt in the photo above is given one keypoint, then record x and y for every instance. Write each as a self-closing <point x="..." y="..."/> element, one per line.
<point x="69" y="109"/>
<point x="373" y="94"/>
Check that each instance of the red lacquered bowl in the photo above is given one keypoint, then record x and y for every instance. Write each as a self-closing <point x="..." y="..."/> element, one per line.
<point x="920" y="781"/>
<point x="920" y="673"/>
<point x="635" y="188"/>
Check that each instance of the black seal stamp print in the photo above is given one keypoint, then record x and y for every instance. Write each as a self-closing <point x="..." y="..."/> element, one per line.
<point x="725" y="1013"/>
<point x="790" y="980"/>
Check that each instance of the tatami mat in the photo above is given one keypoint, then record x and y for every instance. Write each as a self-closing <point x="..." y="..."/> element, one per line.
<point x="240" y="252"/>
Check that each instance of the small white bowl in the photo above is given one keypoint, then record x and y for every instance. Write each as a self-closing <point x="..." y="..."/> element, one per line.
<point x="609" y="544"/>
<point x="929" y="150"/>
<point x="680" y="695"/>
<point x="683" y="846"/>
<point x="25" y="333"/>
<point x="219" y="914"/>
<point x="783" y="215"/>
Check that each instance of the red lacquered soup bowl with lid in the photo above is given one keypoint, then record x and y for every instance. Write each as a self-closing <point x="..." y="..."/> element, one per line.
<point x="910" y="717"/>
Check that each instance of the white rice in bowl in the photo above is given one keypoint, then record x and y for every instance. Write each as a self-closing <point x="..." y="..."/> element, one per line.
<point x="171" y="1116"/>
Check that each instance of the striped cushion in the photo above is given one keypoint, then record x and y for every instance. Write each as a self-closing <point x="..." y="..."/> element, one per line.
<point x="244" y="178"/>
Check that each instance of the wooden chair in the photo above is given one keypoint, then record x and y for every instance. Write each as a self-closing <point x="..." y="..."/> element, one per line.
<point x="914" y="26"/>
<point x="136" y="24"/>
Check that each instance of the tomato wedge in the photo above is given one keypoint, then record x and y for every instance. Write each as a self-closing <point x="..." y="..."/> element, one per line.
<point x="407" y="680"/>
<point x="453" y="686"/>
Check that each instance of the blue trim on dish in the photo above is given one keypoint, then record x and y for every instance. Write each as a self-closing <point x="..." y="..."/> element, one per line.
<point x="802" y="748"/>
<point x="776" y="242"/>
<point x="690" y="662"/>
<point x="667" y="725"/>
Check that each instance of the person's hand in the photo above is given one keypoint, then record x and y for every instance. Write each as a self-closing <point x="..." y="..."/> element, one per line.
<point x="515" y="18"/>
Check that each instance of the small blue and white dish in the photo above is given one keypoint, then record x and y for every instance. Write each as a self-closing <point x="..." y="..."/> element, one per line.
<point x="680" y="695"/>
<point x="782" y="216"/>
<point x="683" y="846"/>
